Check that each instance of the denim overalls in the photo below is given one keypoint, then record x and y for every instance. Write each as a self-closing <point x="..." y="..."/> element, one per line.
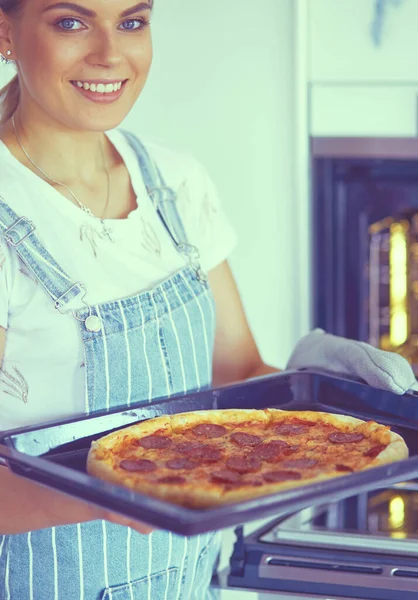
<point x="154" y="344"/>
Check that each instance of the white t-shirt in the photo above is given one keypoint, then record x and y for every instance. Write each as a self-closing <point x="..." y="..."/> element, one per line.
<point x="42" y="377"/>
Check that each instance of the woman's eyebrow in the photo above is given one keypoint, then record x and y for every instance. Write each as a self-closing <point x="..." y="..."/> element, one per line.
<point x="89" y="13"/>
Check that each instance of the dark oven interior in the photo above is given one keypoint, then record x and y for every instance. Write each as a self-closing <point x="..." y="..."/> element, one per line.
<point x="365" y="242"/>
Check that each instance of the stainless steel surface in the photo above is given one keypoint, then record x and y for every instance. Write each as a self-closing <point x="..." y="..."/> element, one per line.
<point x="383" y="525"/>
<point x="236" y="593"/>
<point x="383" y="578"/>
<point x="227" y="593"/>
<point x="388" y="525"/>
<point x="343" y="541"/>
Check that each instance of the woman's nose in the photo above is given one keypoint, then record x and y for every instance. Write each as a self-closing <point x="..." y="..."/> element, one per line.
<point x="105" y="50"/>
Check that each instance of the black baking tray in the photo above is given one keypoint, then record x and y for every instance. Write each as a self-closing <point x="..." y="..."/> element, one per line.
<point x="55" y="454"/>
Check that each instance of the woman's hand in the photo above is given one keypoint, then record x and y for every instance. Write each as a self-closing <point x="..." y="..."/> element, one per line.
<point x="341" y="356"/>
<point x="127" y="522"/>
<point x="27" y="506"/>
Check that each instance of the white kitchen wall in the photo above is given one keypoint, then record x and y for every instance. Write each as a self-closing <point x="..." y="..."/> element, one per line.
<point x="222" y="88"/>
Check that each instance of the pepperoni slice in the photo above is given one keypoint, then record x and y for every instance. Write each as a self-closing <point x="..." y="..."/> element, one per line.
<point x="300" y="463"/>
<point x="245" y="439"/>
<point x="243" y="465"/>
<point x="290" y="429"/>
<point x="375" y="451"/>
<point x="188" y="447"/>
<point x="277" y="476"/>
<point x="209" y="430"/>
<point x="279" y="443"/>
<point x="338" y="437"/>
<point x="225" y="476"/>
<point x="138" y="465"/>
<point x="270" y="450"/>
<point x="206" y="454"/>
<point x="344" y="468"/>
<point x="304" y="422"/>
<point x="154" y="441"/>
<point x="180" y="463"/>
<point x="172" y="479"/>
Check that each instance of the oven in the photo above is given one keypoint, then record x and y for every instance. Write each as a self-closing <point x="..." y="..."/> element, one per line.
<point x="364" y="547"/>
<point x="365" y="241"/>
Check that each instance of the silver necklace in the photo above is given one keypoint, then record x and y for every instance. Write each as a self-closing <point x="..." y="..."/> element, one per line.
<point x="106" y="232"/>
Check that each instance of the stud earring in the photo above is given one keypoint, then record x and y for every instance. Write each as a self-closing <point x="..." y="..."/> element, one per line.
<point x="4" y="60"/>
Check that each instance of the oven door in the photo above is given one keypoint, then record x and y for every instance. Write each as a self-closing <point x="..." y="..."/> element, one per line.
<point x="364" y="547"/>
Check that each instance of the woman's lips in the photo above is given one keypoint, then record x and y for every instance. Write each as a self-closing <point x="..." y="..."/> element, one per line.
<point x="98" y="97"/>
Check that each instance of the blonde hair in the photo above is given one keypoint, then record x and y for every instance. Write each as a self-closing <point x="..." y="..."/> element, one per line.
<point x="10" y="93"/>
<point x="9" y="99"/>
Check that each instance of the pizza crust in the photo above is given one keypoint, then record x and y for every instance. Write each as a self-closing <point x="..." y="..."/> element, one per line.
<point x="106" y="445"/>
<point x="233" y="416"/>
<point x="101" y="457"/>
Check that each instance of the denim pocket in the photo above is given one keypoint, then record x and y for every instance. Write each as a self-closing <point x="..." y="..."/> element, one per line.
<point x="162" y="584"/>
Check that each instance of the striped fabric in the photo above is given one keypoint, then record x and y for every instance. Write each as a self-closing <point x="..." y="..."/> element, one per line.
<point x="152" y="345"/>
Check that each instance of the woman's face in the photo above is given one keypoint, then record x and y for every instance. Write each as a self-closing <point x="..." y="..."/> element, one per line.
<point x="62" y="48"/>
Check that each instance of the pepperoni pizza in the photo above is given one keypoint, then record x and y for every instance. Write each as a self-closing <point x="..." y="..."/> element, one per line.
<point x="207" y="458"/>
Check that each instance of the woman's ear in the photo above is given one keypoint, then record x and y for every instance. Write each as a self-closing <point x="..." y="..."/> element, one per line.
<point x="5" y="34"/>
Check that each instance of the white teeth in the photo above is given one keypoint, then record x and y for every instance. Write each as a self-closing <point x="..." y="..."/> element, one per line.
<point x="100" y="88"/>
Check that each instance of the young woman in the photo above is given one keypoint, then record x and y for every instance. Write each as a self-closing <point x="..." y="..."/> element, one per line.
<point x="112" y="268"/>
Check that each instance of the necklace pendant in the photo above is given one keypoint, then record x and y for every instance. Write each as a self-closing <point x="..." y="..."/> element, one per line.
<point x="86" y="210"/>
<point x="106" y="232"/>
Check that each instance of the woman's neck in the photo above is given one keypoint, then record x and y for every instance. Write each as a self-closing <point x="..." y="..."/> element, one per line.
<point x="66" y="156"/>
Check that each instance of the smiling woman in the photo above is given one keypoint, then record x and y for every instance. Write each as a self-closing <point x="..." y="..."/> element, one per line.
<point x="74" y="43"/>
<point x="9" y="95"/>
<point x="111" y="293"/>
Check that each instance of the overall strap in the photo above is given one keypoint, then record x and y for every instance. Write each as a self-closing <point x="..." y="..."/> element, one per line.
<point x="19" y="234"/>
<point x="164" y="199"/>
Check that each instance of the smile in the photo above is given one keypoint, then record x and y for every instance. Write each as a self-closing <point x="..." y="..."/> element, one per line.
<point x="100" y="88"/>
<point x="101" y="92"/>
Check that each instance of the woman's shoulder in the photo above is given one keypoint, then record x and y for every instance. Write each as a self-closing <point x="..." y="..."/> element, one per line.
<point x="175" y="163"/>
<point x="15" y="180"/>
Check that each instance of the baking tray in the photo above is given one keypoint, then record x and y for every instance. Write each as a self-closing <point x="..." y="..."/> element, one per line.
<point x="55" y="454"/>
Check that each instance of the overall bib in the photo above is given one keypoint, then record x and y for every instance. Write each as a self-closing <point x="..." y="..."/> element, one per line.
<point x="154" y="344"/>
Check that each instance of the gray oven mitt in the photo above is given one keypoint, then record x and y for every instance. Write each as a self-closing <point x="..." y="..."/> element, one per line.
<point x="340" y="356"/>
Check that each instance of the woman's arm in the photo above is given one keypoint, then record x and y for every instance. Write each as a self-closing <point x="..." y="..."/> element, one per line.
<point x="236" y="355"/>
<point x="27" y="506"/>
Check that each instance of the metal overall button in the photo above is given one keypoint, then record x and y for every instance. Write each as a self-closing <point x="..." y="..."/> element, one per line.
<point x="201" y="275"/>
<point x="93" y="324"/>
<point x="193" y="257"/>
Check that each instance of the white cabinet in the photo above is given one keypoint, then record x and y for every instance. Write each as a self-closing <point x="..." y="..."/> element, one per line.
<point x="363" y="111"/>
<point x="341" y="47"/>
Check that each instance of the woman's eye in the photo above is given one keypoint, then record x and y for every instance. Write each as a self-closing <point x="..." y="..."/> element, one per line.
<point x="68" y="24"/>
<point x="134" y="24"/>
